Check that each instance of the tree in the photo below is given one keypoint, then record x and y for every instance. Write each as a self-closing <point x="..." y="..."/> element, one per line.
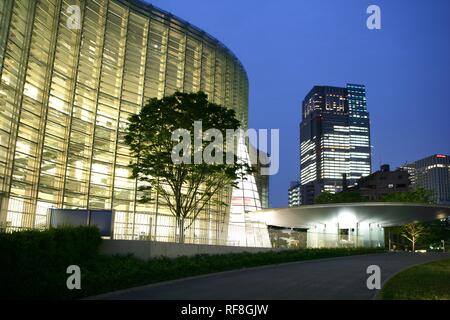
<point x="413" y="232"/>
<point x="418" y="195"/>
<point x="185" y="187"/>
<point x="341" y="197"/>
<point x="436" y="232"/>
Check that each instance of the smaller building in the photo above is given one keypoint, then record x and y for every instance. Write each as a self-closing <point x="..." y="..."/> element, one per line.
<point x="309" y="192"/>
<point x="381" y="183"/>
<point x="432" y="173"/>
<point x="342" y="224"/>
<point x="294" y="194"/>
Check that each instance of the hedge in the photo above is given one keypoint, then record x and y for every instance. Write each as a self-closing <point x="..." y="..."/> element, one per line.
<point x="34" y="263"/>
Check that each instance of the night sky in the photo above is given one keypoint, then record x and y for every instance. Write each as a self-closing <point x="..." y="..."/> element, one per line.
<point x="288" y="46"/>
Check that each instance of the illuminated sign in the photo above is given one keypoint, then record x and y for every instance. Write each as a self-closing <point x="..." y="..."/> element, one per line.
<point x="441" y="156"/>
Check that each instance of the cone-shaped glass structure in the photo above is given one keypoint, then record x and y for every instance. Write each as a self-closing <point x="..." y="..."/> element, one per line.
<point x="245" y="198"/>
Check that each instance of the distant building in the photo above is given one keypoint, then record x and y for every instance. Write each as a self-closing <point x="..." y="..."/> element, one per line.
<point x="309" y="191"/>
<point x="381" y="183"/>
<point x="334" y="139"/>
<point x="432" y="173"/>
<point x="294" y="197"/>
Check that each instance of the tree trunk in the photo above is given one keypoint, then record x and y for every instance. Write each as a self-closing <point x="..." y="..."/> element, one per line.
<point x="414" y="244"/>
<point x="180" y="224"/>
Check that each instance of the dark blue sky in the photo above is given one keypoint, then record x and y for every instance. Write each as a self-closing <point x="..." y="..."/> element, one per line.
<point x="288" y="46"/>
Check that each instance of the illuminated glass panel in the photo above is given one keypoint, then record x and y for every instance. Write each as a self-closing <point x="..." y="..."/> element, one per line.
<point x="65" y="99"/>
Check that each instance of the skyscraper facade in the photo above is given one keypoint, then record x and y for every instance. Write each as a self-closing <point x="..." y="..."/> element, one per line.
<point x="71" y="73"/>
<point x="432" y="173"/>
<point x="294" y="195"/>
<point x="334" y="139"/>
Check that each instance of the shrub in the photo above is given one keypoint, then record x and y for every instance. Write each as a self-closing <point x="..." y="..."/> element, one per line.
<point x="120" y="272"/>
<point x="34" y="262"/>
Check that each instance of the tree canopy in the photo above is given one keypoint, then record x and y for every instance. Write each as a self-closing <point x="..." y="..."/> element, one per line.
<point x="341" y="197"/>
<point x="417" y="195"/>
<point x="185" y="187"/>
<point x="413" y="232"/>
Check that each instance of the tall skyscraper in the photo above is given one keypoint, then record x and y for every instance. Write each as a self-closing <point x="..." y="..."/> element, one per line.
<point x="334" y="139"/>
<point x="432" y="173"/>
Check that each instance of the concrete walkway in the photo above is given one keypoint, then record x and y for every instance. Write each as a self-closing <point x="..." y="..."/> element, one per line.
<point x="334" y="278"/>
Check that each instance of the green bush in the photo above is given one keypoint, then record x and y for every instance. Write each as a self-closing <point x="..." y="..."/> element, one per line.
<point x="120" y="272"/>
<point x="34" y="263"/>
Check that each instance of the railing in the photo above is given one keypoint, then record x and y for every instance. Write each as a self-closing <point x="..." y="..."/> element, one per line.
<point x="164" y="228"/>
<point x="19" y="215"/>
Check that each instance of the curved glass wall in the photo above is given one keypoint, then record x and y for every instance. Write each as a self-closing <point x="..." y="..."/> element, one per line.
<point x="66" y="93"/>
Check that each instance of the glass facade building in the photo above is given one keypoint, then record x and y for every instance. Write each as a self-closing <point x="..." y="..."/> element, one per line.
<point x="71" y="73"/>
<point x="334" y="139"/>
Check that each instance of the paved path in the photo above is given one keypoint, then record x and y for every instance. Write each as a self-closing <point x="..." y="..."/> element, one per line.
<point x="334" y="278"/>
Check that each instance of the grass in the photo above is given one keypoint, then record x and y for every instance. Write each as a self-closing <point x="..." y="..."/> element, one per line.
<point x="429" y="281"/>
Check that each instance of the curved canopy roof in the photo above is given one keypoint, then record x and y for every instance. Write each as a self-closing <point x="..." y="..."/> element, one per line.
<point x="385" y="214"/>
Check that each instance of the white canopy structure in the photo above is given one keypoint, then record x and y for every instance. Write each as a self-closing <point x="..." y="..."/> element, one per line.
<point x="386" y="214"/>
<point x="359" y="223"/>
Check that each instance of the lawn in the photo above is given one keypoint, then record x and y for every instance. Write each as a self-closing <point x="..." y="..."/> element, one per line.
<point x="429" y="281"/>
